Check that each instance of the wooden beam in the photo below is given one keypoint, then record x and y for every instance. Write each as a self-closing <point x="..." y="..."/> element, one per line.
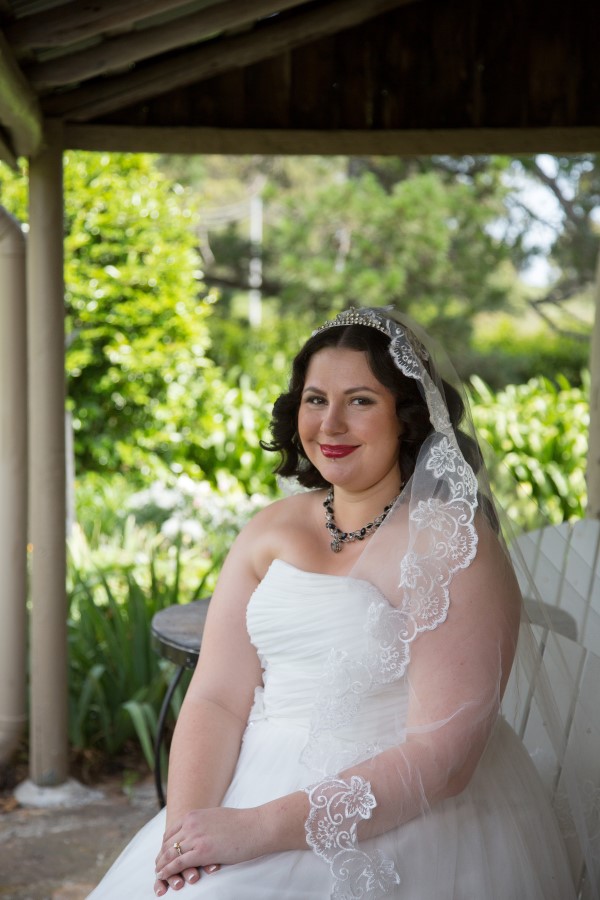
<point x="20" y="115"/>
<point x="219" y="56"/>
<point x="71" y="22"/>
<point x="115" y="53"/>
<point x="238" y="142"/>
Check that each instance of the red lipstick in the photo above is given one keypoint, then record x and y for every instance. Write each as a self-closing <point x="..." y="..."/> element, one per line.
<point x="337" y="451"/>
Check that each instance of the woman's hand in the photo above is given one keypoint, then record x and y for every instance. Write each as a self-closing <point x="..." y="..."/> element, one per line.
<point x="206" y="839"/>
<point x="176" y="882"/>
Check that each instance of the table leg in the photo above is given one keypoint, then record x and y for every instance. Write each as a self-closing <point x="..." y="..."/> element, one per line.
<point x="159" y="733"/>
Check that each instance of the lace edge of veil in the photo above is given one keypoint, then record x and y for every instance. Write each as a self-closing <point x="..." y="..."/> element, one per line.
<point x="442" y="540"/>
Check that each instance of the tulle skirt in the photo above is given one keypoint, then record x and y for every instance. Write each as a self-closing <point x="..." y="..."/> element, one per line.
<point x="497" y="840"/>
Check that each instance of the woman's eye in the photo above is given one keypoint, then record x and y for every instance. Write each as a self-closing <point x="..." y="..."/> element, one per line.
<point x="314" y="401"/>
<point x="362" y="401"/>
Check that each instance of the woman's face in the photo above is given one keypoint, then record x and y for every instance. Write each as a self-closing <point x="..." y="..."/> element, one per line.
<point x="347" y="421"/>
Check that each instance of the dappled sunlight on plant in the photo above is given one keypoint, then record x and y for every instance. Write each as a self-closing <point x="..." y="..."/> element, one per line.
<point x="538" y="432"/>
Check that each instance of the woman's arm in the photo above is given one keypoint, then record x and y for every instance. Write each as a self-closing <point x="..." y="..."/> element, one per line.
<point x="213" y="716"/>
<point x="209" y="728"/>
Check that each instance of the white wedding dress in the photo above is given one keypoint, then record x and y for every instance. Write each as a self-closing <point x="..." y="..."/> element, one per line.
<point x="497" y="840"/>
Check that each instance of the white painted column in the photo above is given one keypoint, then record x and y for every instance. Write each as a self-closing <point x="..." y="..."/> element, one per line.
<point x="13" y="485"/>
<point x="48" y="751"/>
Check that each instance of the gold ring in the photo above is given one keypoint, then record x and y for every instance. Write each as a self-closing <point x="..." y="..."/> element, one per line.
<point x="177" y="847"/>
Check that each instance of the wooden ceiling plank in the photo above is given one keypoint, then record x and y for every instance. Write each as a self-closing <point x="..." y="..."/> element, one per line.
<point x="20" y="113"/>
<point x="345" y="142"/>
<point x="219" y="56"/>
<point x="76" y="21"/>
<point x="115" y="53"/>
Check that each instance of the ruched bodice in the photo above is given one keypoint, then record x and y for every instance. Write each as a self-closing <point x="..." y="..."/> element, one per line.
<point x="300" y="622"/>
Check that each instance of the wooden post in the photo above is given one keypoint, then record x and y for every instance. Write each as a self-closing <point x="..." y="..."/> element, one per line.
<point x="13" y="485"/>
<point x="593" y="460"/>
<point x="47" y="510"/>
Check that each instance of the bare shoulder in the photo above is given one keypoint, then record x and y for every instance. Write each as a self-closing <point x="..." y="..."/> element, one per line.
<point x="277" y="528"/>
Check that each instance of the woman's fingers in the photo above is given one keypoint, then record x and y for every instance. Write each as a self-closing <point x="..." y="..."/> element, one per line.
<point x="160" y="887"/>
<point x="191" y="875"/>
<point x="176" y="882"/>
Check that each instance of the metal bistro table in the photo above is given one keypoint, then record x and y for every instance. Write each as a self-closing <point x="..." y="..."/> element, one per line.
<point x="176" y="636"/>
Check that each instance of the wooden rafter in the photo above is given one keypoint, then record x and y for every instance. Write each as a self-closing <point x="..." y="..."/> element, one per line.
<point x="66" y="24"/>
<point x="115" y="53"/>
<point x="19" y="108"/>
<point x="212" y="59"/>
<point x="399" y="142"/>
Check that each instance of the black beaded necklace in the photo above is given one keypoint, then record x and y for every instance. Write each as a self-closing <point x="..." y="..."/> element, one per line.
<point x="346" y="537"/>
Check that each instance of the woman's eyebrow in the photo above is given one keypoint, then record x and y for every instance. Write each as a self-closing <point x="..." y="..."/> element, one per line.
<point x="352" y="390"/>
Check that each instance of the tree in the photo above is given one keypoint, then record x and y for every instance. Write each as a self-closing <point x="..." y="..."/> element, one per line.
<point x="570" y="232"/>
<point x="367" y="231"/>
<point x="136" y="323"/>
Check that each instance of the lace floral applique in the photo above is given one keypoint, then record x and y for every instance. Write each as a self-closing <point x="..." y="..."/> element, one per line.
<point x="336" y="808"/>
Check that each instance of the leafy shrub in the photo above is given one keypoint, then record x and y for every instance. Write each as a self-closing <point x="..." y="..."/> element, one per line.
<point x="538" y="432"/>
<point x="116" y="680"/>
<point x="510" y="356"/>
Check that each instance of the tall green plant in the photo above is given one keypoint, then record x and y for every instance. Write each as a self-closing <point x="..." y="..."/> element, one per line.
<point x="538" y="432"/>
<point x="117" y="681"/>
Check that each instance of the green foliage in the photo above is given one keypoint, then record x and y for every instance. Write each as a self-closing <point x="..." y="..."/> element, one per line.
<point x="14" y="191"/>
<point x="538" y="432"/>
<point x="116" y="680"/>
<point x="137" y="328"/>
<point x="511" y="355"/>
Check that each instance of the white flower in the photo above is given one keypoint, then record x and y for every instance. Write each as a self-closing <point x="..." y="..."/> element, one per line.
<point x="192" y="529"/>
<point x="164" y="497"/>
<point x="171" y="529"/>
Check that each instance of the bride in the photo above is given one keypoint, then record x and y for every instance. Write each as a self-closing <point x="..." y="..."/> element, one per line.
<point x="341" y="736"/>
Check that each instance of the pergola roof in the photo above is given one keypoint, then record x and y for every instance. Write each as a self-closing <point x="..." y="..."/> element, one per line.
<point x="325" y="76"/>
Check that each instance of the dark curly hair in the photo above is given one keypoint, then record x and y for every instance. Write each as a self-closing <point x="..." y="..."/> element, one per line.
<point x="411" y="407"/>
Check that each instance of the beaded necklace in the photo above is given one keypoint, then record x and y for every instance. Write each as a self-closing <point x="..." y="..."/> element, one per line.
<point x="346" y="537"/>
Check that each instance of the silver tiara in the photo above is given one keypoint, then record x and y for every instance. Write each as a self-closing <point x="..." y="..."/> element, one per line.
<point x="354" y="316"/>
<point x="374" y="319"/>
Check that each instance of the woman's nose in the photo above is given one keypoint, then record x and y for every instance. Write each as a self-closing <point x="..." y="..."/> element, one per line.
<point x="334" y="422"/>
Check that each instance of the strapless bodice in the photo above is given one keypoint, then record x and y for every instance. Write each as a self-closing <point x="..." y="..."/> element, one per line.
<point x="300" y="623"/>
